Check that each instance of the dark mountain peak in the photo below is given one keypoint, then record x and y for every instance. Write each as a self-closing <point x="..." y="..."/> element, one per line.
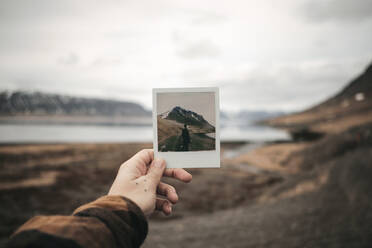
<point x="369" y="69"/>
<point x="361" y="84"/>
<point x="359" y="89"/>
<point x="178" y="108"/>
<point x="188" y="113"/>
<point x="186" y="116"/>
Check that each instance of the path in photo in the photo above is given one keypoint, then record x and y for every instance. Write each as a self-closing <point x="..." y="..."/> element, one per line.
<point x="184" y="130"/>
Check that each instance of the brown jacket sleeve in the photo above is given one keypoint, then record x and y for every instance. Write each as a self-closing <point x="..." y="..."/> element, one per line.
<point x="110" y="221"/>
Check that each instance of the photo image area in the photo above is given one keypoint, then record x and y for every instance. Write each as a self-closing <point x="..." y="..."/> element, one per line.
<point x="186" y="121"/>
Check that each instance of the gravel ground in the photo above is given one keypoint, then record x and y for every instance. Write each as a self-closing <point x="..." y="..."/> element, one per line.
<point x="302" y="211"/>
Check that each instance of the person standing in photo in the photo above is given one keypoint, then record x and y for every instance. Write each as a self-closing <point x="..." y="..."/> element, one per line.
<point x="185" y="138"/>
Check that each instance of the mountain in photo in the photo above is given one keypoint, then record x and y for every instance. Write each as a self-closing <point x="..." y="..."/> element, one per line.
<point x="171" y="131"/>
<point x="188" y="117"/>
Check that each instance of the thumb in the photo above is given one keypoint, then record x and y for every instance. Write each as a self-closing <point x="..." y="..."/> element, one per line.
<point x="156" y="171"/>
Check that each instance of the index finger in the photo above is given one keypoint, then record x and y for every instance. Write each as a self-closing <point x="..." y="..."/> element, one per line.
<point x="145" y="156"/>
<point x="139" y="163"/>
<point x="179" y="174"/>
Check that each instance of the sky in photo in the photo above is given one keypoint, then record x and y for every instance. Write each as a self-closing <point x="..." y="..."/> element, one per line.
<point x="264" y="55"/>
<point x="202" y="103"/>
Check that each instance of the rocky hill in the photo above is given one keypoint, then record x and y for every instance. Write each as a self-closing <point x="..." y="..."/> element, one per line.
<point x="357" y="90"/>
<point x="24" y="103"/>
<point x="348" y="108"/>
<point x="188" y="117"/>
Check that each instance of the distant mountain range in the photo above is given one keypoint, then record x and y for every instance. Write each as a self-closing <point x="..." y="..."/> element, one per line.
<point x="24" y="103"/>
<point x="38" y="107"/>
<point x="188" y="117"/>
<point x="254" y="116"/>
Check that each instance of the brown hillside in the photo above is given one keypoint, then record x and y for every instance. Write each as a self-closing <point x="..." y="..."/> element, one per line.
<point x="348" y="108"/>
<point x="168" y="128"/>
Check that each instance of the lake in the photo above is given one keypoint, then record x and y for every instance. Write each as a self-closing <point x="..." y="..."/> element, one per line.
<point x="17" y="133"/>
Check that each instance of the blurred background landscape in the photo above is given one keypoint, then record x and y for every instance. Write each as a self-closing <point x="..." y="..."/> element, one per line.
<point x="295" y="79"/>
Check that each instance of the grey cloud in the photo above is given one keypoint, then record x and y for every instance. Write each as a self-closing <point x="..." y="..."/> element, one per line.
<point x="19" y="10"/>
<point x="199" y="49"/>
<point x="194" y="74"/>
<point x="70" y="59"/>
<point x="337" y="10"/>
<point x="63" y="80"/>
<point x="208" y="18"/>
<point x="177" y="37"/>
<point x="103" y="61"/>
<point x="122" y="34"/>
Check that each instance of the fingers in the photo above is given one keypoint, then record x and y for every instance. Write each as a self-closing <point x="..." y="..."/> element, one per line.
<point x="179" y="174"/>
<point x="164" y="206"/>
<point x="144" y="156"/>
<point x="138" y="164"/>
<point x="155" y="172"/>
<point x="168" y="191"/>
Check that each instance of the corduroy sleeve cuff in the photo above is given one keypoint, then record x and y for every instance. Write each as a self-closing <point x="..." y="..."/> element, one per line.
<point x="122" y="216"/>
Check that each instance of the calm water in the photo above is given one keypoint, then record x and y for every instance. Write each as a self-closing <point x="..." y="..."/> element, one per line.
<point x="67" y="133"/>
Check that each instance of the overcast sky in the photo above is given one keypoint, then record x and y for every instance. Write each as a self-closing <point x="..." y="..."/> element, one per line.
<point x="264" y="55"/>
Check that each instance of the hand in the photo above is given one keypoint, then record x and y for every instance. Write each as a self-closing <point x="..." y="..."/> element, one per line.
<point x="139" y="180"/>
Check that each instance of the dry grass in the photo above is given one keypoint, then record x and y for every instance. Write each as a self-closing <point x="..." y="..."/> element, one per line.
<point x="331" y="118"/>
<point x="168" y="128"/>
<point x="271" y="157"/>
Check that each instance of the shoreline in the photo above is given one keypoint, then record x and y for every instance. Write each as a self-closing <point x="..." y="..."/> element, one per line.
<point x="78" y="120"/>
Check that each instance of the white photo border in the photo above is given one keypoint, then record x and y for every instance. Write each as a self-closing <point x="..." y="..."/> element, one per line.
<point x="194" y="159"/>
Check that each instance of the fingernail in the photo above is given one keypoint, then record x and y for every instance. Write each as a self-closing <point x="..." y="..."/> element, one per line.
<point x="158" y="163"/>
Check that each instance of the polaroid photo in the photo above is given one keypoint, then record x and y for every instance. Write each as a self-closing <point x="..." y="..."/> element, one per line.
<point x="186" y="127"/>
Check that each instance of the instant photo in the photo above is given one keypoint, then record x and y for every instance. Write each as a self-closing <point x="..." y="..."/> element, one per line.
<point x="186" y="127"/>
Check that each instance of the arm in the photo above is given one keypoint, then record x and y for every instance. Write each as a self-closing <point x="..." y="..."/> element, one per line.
<point x="115" y="220"/>
<point x="110" y="221"/>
